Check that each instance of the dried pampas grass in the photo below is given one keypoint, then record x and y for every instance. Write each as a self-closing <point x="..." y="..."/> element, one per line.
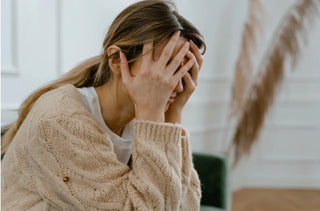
<point x="244" y="65"/>
<point x="285" y="45"/>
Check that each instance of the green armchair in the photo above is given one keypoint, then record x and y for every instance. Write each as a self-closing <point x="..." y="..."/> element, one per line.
<point x="213" y="173"/>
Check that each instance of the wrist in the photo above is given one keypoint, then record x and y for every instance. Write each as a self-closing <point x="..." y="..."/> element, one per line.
<point x="174" y="116"/>
<point x="150" y="116"/>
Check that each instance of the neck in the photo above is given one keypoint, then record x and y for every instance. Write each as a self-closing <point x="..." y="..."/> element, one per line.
<point x="116" y="107"/>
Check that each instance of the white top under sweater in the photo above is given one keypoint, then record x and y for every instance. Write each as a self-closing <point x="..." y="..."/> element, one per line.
<point x="122" y="145"/>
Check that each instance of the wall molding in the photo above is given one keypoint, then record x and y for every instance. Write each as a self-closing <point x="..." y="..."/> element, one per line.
<point x="10" y="106"/>
<point x="290" y="126"/>
<point x="13" y="68"/>
<point x="273" y="126"/>
<point x="290" y="159"/>
<point x="274" y="182"/>
<point x="210" y="129"/>
<point x="8" y="70"/>
<point x="285" y="102"/>
<point x="58" y="38"/>
<point x="311" y="78"/>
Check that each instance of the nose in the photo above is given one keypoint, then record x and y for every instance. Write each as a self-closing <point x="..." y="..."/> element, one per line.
<point x="179" y="87"/>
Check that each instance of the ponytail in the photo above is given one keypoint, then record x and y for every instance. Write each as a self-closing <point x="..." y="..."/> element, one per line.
<point x="83" y="75"/>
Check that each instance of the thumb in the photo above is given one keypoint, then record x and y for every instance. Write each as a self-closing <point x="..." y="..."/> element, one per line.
<point x="124" y="68"/>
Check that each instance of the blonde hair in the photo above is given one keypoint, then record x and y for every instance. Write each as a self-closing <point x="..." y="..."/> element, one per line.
<point x="149" y="20"/>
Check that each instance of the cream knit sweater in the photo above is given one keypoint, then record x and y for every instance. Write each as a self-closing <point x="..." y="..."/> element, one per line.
<point x="61" y="159"/>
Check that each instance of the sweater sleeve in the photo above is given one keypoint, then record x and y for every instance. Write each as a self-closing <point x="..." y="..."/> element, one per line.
<point x="191" y="191"/>
<point x="74" y="167"/>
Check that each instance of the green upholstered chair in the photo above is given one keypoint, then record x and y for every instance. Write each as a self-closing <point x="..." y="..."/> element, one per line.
<point x="213" y="172"/>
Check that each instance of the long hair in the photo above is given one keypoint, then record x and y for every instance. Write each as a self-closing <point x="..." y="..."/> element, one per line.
<point x="144" y="21"/>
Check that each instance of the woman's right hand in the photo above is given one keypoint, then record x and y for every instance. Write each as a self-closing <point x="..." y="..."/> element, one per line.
<point x="154" y="82"/>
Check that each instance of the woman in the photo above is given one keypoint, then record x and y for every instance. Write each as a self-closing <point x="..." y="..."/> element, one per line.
<point x="107" y="135"/>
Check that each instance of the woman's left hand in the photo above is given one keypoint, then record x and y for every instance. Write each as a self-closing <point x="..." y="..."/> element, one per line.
<point x="190" y="79"/>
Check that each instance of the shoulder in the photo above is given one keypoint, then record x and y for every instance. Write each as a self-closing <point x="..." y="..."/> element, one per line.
<point x="62" y="105"/>
<point x="62" y="101"/>
<point x="63" y="109"/>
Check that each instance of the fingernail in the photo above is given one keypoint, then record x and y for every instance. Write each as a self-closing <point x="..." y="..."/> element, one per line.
<point x="177" y="33"/>
<point x="187" y="44"/>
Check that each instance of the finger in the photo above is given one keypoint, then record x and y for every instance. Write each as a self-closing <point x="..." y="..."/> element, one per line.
<point x="195" y="50"/>
<point x="182" y="71"/>
<point x="147" y="51"/>
<point x="189" y="83"/>
<point x="168" y="49"/>
<point x="194" y="72"/>
<point x="124" y="68"/>
<point x="176" y="61"/>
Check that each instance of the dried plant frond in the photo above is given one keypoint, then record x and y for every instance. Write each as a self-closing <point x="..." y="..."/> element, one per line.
<point x="285" y="45"/>
<point x="243" y="68"/>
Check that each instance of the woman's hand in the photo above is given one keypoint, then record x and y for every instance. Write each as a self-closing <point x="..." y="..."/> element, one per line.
<point x="190" y="79"/>
<point x="154" y="82"/>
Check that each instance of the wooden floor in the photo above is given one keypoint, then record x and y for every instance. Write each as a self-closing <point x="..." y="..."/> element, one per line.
<point x="276" y="200"/>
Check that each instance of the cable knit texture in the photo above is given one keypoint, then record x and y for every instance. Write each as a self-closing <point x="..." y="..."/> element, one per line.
<point x="61" y="159"/>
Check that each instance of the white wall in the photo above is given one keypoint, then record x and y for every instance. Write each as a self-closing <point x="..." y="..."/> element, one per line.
<point x="41" y="39"/>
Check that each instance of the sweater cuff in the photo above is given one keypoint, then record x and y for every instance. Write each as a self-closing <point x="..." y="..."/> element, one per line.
<point x="155" y="131"/>
<point x="185" y="135"/>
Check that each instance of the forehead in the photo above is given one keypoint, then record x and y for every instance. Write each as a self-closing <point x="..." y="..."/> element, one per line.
<point x="162" y="44"/>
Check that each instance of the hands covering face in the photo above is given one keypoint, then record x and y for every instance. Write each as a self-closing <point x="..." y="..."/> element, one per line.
<point x="150" y="88"/>
<point x="190" y="81"/>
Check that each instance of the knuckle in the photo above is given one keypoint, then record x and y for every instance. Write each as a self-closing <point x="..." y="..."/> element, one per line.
<point x="201" y="60"/>
<point x="190" y="65"/>
<point x="185" y="70"/>
<point x="197" y="66"/>
<point x="124" y="80"/>
<point x="144" y="73"/>
<point x="156" y="76"/>
<point x="185" y="49"/>
<point x="166" y="53"/>
<point x="194" y="57"/>
<point x="175" y="62"/>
